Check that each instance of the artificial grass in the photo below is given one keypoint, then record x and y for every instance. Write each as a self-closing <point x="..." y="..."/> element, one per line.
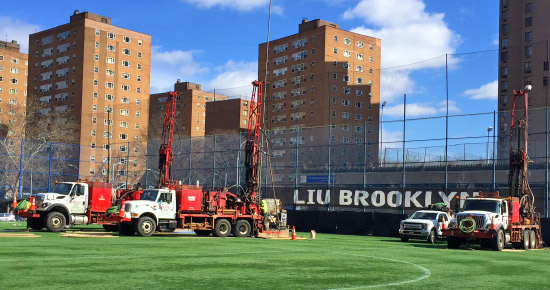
<point x="190" y="262"/>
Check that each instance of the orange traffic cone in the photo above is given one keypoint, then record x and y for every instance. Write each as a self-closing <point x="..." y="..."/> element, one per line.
<point x="293" y="233"/>
<point x="443" y="225"/>
<point x="33" y="202"/>
<point x="14" y="203"/>
<point x="493" y="225"/>
<point x="121" y="211"/>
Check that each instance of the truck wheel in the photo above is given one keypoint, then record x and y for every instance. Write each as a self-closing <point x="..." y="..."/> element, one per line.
<point x="525" y="240"/>
<point x="126" y="229"/>
<point x="453" y="243"/>
<point x="222" y="228"/>
<point x="404" y="240"/>
<point x="110" y="228"/>
<point x="497" y="243"/>
<point x="242" y="229"/>
<point x="532" y="240"/>
<point x="431" y="237"/>
<point x="203" y="233"/>
<point x="55" y="222"/>
<point x="35" y="224"/>
<point x="146" y="226"/>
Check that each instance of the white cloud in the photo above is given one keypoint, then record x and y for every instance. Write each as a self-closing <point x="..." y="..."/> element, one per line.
<point x="415" y="110"/>
<point x="410" y="35"/>
<point x="240" y="5"/>
<point x="392" y="139"/>
<point x="168" y="66"/>
<point x="485" y="92"/>
<point x="17" y="30"/>
<point x="234" y="79"/>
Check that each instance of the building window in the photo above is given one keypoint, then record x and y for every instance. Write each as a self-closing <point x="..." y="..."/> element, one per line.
<point x="504" y="43"/>
<point x="140" y="43"/>
<point x="96" y="57"/>
<point x="97" y="32"/>
<point x="125" y="63"/>
<point x="528" y="21"/>
<point x="529" y="36"/>
<point x="504" y="56"/>
<point x="126" y="51"/>
<point x="139" y="66"/>
<point x="111" y="47"/>
<point x="527" y="66"/>
<point x="127" y="39"/>
<point x="347" y="53"/>
<point x="505" y="15"/>
<point x="336" y="38"/>
<point x="111" y="35"/>
<point x="503" y="85"/>
<point x="528" y="51"/>
<point x="335" y="50"/>
<point x="111" y="60"/>
<point x="504" y="71"/>
<point x="504" y="28"/>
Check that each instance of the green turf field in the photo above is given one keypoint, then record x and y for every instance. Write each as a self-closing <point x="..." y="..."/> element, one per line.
<point x="52" y="261"/>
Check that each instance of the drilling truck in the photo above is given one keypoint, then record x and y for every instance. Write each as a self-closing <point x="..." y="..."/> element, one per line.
<point x="174" y="206"/>
<point x="491" y="220"/>
<point x="69" y="204"/>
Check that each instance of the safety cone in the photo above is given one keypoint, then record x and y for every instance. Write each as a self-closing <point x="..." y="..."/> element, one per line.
<point x="33" y="202"/>
<point x="121" y="211"/>
<point x="493" y="225"/>
<point x="293" y="233"/>
<point x="14" y="203"/>
<point x="443" y="225"/>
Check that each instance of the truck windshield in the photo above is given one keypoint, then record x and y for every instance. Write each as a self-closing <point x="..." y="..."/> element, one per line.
<point x="419" y="215"/>
<point x="482" y="205"/>
<point x="63" y="188"/>
<point x="149" y="195"/>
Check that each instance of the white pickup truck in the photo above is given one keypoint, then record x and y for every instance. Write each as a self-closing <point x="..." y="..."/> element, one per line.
<point x="424" y="225"/>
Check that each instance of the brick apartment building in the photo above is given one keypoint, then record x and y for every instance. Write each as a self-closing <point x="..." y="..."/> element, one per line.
<point x="323" y="90"/>
<point x="191" y="113"/>
<point x="98" y="75"/>
<point x="13" y="88"/>
<point x="524" y="60"/>
<point x="227" y="116"/>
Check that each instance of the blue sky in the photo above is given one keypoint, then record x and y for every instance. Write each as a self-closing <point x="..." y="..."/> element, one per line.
<point x="215" y="43"/>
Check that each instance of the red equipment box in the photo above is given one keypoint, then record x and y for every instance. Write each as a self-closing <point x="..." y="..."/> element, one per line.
<point x="100" y="196"/>
<point x="189" y="200"/>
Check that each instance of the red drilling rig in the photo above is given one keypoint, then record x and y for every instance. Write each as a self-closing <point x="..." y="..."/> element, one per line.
<point x="174" y="206"/>
<point x="491" y="220"/>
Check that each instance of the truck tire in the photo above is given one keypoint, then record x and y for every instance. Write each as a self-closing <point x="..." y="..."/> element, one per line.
<point x="203" y="233"/>
<point x="525" y="240"/>
<point x="110" y="228"/>
<point x="35" y="223"/>
<point x="126" y="229"/>
<point x="431" y="237"/>
<point x="222" y="228"/>
<point x="453" y="243"/>
<point x="242" y="229"/>
<point x="532" y="240"/>
<point x="497" y="243"/>
<point x="55" y="221"/>
<point x="146" y="226"/>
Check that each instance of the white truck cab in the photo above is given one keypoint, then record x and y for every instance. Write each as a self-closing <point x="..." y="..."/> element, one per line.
<point x="425" y="225"/>
<point x="484" y="211"/>
<point x="155" y="207"/>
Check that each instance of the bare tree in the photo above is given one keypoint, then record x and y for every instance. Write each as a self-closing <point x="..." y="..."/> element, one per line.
<point x="27" y="146"/>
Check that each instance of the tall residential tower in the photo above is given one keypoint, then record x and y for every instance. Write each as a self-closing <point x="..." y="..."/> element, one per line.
<point x="99" y="74"/>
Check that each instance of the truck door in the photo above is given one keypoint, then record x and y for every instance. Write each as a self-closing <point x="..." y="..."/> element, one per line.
<point x="504" y="213"/>
<point x="167" y="205"/>
<point x="78" y="199"/>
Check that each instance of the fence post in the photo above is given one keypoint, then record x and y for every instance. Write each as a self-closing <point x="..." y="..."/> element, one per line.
<point x="214" y="164"/>
<point x="546" y="171"/>
<point x="50" y="167"/>
<point x="21" y="169"/>
<point x="365" y="156"/>
<point x="494" y="165"/>
<point x="190" y="159"/>
<point x="403" y="177"/>
<point x="297" y="159"/>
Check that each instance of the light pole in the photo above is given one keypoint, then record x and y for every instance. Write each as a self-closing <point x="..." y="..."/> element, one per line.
<point x="146" y="173"/>
<point x="113" y="169"/>
<point x="488" y="132"/>
<point x="381" y="129"/>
